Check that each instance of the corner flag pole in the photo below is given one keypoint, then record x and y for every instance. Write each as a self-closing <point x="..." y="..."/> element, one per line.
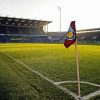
<point x="71" y="39"/>
<point x="78" y="70"/>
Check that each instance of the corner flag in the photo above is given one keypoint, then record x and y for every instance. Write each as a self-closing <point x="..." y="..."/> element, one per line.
<point x="71" y="35"/>
<point x="71" y="39"/>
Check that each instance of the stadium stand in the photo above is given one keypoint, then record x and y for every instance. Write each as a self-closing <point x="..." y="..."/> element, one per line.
<point x="83" y="36"/>
<point x="22" y="30"/>
<point x="89" y="35"/>
<point x="27" y="30"/>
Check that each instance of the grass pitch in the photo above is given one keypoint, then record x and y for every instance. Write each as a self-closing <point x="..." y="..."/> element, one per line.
<point x="53" y="61"/>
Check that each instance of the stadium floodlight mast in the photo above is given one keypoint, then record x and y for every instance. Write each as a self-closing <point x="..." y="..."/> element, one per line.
<point x="59" y="8"/>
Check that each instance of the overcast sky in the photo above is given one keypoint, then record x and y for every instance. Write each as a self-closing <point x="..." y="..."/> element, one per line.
<point x="84" y="12"/>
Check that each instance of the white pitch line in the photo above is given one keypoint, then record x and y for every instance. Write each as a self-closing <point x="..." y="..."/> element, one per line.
<point x="90" y="83"/>
<point x="42" y="76"/>
<point x="87" y="96"/>
<point x="91" y="95"/>
<point x="62" y="82"/>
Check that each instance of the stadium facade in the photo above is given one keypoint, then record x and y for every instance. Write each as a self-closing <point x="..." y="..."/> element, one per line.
<point x="22" y="30"/>
<point x="83" y="36"/>
<point x="28" y="30"/>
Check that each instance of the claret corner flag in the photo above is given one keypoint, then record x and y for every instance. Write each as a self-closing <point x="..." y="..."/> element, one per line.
<point x="71" y="39"/>
<point x="70" y="35"/>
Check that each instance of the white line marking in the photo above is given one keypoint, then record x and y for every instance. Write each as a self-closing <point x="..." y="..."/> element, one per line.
<point x="91" y="95"/>
<point x="44" y="77"/>
<point x="87" y="96"/>
<point x="62" y="82"/>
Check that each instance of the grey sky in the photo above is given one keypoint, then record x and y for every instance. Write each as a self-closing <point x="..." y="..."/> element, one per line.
<point x="25" y="8"/>
<point x="85" y="12"/>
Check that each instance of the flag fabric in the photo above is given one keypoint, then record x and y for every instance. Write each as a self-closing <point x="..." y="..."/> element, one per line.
<point x="70" y="35"/>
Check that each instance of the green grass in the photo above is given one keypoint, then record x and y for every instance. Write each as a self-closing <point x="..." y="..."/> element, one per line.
<point x="95" y="98"/>
<point x="85" y="88"/>
<point x="18" y="83"/>
<point x="53" y="61"/>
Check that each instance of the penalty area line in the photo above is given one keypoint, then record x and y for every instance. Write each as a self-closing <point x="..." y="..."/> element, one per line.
<point x="43" y="77"/>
